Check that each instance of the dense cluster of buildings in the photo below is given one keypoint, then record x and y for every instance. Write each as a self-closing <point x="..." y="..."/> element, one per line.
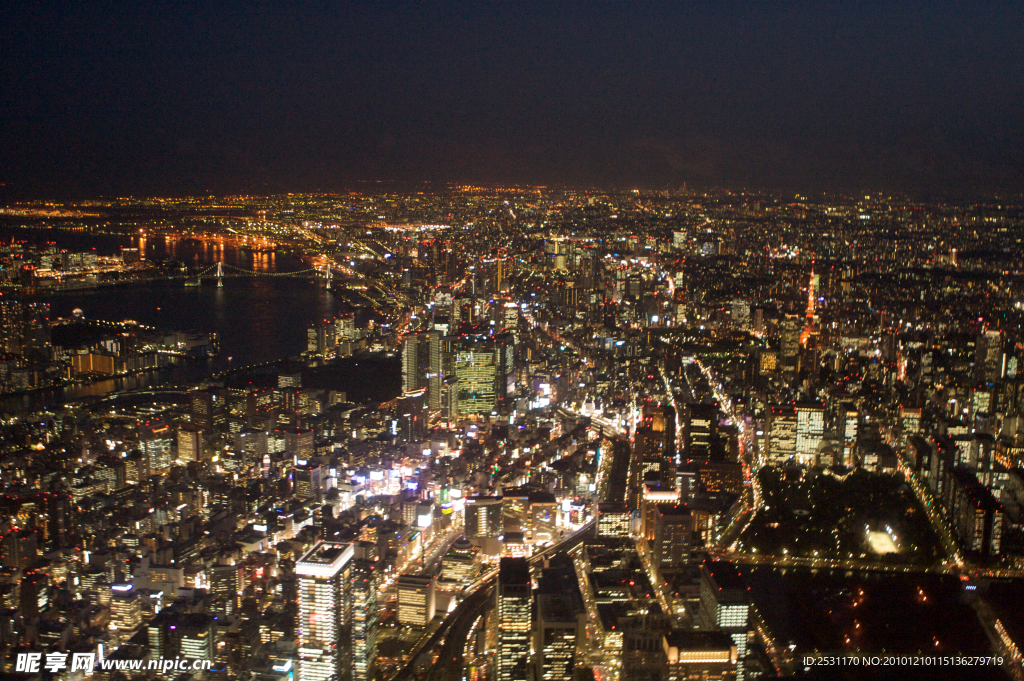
<point x="566" y="483"/>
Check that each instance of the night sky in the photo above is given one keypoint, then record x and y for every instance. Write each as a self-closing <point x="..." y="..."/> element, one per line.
<point x="176" y="98"/>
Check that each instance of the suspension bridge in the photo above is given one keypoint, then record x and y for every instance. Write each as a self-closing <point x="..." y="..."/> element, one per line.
<point x="334" y="277"/>
<point x="374" y="292"/>
<point x="221" y="271"/>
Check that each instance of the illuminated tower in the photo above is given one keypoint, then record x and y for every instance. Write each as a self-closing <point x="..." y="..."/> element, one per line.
<point x="325" y="612"/>
<point x="809" y="329"/>
<point x="810" y="298"/>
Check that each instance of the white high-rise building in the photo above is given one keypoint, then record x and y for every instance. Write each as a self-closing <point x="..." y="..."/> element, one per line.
<point x="411" y="373"/>
<point x="325" y="612"/>
<point x="810" y="428"/>
<point x="416" y="600"/>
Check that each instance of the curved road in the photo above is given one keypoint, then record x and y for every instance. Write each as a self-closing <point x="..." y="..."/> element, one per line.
<point x="460" y="620"/>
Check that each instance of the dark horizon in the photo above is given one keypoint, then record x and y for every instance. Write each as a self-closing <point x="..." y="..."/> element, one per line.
<point x="920" y="99"/>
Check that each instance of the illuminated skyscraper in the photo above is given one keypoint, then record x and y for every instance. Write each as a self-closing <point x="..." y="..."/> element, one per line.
<point x="190" y="442"/>
<point x="850" y="421"/>
<point x="810" y="428"/>
<point x="156" y="438"/>
<point x="325" y="612"/>
<point x="476" y="371"/>
<point x="613" y="520"/>
<point x="364" y="619"/>
<point x="700" y="431"/>
<point x="201" y="410"/>
<point x="196" y="637"/>
<point x="175" y="633"/>
<point x="781" y="434"/>
<point x="561" y="621"/>
<point x="515" y="610"/>
<point x="125" y="611"/>
<point x="224" y="584"/>
<point x="416" y="600"/>
<point x="438" y="368"/>
<point x="484" y="517"/>
<point x="669" y="531"/>
<point x="411" y="409"/>
<point x="725" y="606"/>
<point x="413" y="353"/>
<point x="459" y="564"/>
<point x="10" y="326"/>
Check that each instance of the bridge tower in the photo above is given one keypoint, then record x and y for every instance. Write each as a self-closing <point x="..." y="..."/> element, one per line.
<point x="327" y="276"/>
<point x="220" y="273"/>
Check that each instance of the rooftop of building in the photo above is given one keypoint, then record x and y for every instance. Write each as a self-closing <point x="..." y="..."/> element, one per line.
<point x="514" y="571"/>
<point x="698" y="640"/>
<point x="414" y="581"/>
<point x="558" y="608"/>
<point x="726" y="576"/>
<point x="330" y="555"/>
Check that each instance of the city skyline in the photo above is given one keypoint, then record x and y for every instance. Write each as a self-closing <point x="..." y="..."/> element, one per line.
<point x="511" y="342"/>
<point x="514" y="433"/>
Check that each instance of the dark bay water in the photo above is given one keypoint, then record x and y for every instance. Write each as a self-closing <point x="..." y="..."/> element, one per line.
<point x="258" y="319"/>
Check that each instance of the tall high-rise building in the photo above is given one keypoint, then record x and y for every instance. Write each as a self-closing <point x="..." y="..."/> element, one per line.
<point x="781" y="432"/>
<point x="201" y="403"/>
<point x="156" y="439"/>
<point x="669" y="532"/>
<point x="484" y="369"/>
<point x="810" y="428"/>
<point x="11" y="324"/>
<point x="850" y="421"/>
<point x="417" y="602"/>
<point x="988" y="351"/>
<point x="19" y="548"/>
<point x="515" y="613"/>
<point x="613" y="520"/>
<point x="789" y="346"/>
<point x="325" y="612"/>
<point x="725" y="606"/>
<point x="25" y="329"/>
<point x="460" y="564"/>
<point x="484" y="517"/>
<point x="411" y="410"/>
<point x="224" y="584"/>
<point x="415" y="348"/>
<point x="60" y="520"/>
<point x="700" y="431"/>
<point x="364" y="619"/>
<point x="510" y="320"/>
<point x="299" y="441"/>
<point x="196" y="637"/>
<point x="308" y="479"/>
<point x="561" y="621"/>
<point x="439" y="366"/>
<point x="176" y="633"/>
<point x="125" y="611"/>
<point x="654" y="448"/>
<point x="477" y="368"/>
<point x="190" y="442"/>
